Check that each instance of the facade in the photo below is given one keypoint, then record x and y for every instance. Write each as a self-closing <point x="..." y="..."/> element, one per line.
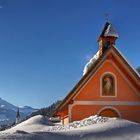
<point x="109" y="87"/>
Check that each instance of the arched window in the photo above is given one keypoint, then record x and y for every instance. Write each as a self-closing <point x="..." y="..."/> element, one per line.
<point x="108" y="85"/>
<point x="109" y="111"/>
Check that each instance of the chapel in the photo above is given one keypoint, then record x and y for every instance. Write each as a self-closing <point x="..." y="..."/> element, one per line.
<point x="109" y="87"/>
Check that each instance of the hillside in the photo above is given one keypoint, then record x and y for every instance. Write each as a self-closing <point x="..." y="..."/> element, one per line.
<point x="47" y="111"/>
<point x="8" y="112"/>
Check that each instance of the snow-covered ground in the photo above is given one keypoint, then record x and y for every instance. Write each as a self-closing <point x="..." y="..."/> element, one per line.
<point x="36" y="123"/>
<point x="92" y="128"/>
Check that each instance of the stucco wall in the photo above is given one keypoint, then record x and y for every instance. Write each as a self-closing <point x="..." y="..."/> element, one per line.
<point x="91" y="91"/>
<point x="126" y="92"/>
<point x="127" y="112"/>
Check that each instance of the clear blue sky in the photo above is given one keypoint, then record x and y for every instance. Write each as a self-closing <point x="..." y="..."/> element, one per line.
<point x="44" y="44"/>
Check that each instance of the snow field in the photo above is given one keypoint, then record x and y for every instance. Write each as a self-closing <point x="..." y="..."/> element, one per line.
<point x="92" y="128"/>
<point x="78" y="124"/>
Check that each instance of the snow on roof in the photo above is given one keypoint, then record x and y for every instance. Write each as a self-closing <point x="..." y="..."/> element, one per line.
<point x="90" y="63"/>
<point x="96" y="56"/>
<point x="110" y="31"/>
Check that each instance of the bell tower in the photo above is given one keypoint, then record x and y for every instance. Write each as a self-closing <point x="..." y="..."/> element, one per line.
<point x="18" y="117"/>
<point x="107" y="38"/>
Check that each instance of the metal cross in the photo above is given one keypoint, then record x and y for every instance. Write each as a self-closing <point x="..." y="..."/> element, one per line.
<point x="107" y="17"/>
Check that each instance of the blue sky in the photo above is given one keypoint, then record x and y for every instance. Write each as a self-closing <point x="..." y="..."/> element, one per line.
<point x="44" y="44"/>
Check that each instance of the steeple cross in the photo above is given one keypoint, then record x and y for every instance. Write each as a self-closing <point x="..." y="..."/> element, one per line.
<point x="107" y="17"/>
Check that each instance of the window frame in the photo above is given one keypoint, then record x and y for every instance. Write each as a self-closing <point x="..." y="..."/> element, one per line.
<point x="115" y="85"/>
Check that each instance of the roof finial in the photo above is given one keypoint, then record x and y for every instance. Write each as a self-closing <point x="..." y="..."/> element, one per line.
<point x="107" y="17"/>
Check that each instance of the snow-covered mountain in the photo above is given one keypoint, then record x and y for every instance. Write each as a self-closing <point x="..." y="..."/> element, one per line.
<point x="8" y="112"/>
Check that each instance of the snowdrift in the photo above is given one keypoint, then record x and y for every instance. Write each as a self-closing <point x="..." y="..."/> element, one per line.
<point x="79" y="124"/>
<point x="92" y="128"/>
<point x="36" y="123"/>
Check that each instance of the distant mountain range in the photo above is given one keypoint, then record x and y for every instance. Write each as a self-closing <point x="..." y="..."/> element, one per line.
<point x="8" y="112"/>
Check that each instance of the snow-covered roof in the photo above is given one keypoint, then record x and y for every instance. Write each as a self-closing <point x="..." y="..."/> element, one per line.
<point x="109" y="31"/>
<point x="90" y="63"/>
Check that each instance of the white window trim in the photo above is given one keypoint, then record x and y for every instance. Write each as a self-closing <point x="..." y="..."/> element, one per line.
<point x="115" y="81"/>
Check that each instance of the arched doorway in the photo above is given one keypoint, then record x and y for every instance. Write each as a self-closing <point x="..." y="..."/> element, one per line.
<point x="109" y="112"/>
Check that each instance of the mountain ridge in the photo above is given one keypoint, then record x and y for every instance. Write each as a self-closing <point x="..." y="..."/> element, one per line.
<point x="8" y="112"/>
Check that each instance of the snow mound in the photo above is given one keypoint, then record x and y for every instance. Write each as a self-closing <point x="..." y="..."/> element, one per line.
<point x="90" y="63"/>
<point x="78" y="124"/>
<point x="92" y="128"/>
<point x="36" y="123"/>
<point x="39" y="119"/>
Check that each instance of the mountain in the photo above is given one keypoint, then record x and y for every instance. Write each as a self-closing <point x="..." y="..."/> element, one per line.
<point x="8" y="112"/>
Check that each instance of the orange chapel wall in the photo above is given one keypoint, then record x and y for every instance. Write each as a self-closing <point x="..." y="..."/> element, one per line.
<point x="127" y="112"/>
<point x="64" y="116"/>
<point x="91" y="92"/>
